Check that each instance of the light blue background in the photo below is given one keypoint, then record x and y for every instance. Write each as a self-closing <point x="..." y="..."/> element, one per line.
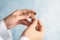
<point x="47" y="11"/>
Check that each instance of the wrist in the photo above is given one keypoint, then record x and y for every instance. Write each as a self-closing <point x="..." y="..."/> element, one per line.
<point x="6" y="23"/>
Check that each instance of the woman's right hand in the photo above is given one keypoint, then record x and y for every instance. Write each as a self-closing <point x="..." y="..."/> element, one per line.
<point x="32" y="33"/>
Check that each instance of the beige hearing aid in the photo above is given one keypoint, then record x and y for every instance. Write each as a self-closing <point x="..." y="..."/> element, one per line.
<point x="33" y="16"/>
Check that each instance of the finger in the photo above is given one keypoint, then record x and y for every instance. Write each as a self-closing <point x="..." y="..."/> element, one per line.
<point x="38" y="26"/>
<point x="25" y="22"/>
<point x="34" y="24"/>
<point x="27" y="11"/>
<point x="41" y="26"/>
<point x="23" y="17"/>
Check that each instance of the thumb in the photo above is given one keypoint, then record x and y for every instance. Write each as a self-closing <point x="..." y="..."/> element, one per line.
<point x="34" y="24"/>
<point x="41" y="26"/>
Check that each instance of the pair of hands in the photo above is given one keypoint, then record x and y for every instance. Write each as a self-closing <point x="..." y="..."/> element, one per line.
<point x="35" y="30"/>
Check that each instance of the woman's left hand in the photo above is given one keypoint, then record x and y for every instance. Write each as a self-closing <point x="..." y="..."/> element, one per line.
<point x="14" y="18"/>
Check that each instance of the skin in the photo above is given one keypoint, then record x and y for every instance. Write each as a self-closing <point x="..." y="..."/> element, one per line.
<point x="35" y="30"/>
<point x="15" y="18"/>
<point x="32" y="33"/>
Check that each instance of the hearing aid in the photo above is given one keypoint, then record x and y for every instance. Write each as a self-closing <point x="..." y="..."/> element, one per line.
<point x="33" y="15"/>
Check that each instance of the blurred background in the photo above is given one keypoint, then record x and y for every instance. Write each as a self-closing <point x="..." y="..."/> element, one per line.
<point x="48" y="11"/>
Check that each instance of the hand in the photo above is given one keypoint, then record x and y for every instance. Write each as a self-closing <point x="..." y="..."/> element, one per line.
<point x="14" y="18"/>
<point x="32" y="33"/>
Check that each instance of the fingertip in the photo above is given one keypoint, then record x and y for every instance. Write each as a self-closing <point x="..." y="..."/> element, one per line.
<point x="35" y="20"/>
